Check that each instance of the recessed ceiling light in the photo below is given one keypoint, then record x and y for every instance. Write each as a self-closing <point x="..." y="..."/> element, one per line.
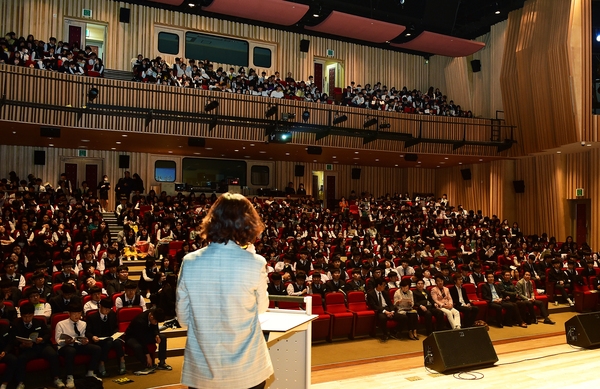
<point x="442" y="163"/>
<point x="376" y="159"/>
<point x="245" y="156"/>
<point x="355" y="158"/>
<point x="196" y="153"/>
<point x="270" y="157"/>
<point x="356" y="152"/>
<point x="51" y="145"/>
<point x="262" y="152"/>
<point x="460" y="163"/>
<point x="401" y="155"/>
<point x="113" y="148"/>
<point x="287" y="153"/>
<point x="118" y="143"/>
<point x="419" y="162"/>
<point x="124" y="135"/>
<point x="180" y="147"/>
<point x="252" y="144"/>
<point x="170" y="152"/>
<point x="83" y="147"/>
<point x="334" y="157"/>
<point x="558" y="152"/>
<point x="335" y="161"/>
<point x="14" y="132"/>
<point x="497" y="12"/>
<point x="209" y="148"/>
<point x="589" y="145"/>
<point x="314" y="160"/>
<point x="446" y="158"/>
<point x="408" y="34"/>
<point x="396" y="165"/>
<point x="85" y="140"/>
<point x="243" y="147"/>
<point x="236" y="150"/>
<point x="480" y="159"/>
<point x="438" y="166"/>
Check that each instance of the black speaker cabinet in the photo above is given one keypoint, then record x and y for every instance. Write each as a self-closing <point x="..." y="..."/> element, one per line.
<point x="519" y="186"/>
<point x="304" y="45"/>
<point x="299" y="171"/>
<point x="50" y="132"/>
<point x="39" y="157"/>
<point x="123" y="161"/>
<point x="196" y="142"/>
<point x="314" y="150"/>
<point x="582" y="330"/>
<point x="476" y="65"/>
<point x="459" y="350"/>
<point x="411" y="157"/>
<point x="355" y="173"/>
<point x="466" y="174"/>
<point x="124" y="15"/>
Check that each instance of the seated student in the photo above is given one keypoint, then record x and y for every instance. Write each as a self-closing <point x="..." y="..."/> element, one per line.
<point x="94" y="303"/>
<point x="142" y="332"/>
<point x="88" y="259"/>
<point x="557" y="276"/>
<point x="68" y="348"/>
<point x="6" y="345"/>
<point x="425" y="307"/>
<point x="118" y="285"/>
<point x="67" y="295"/>
<point x="10" y="273"/>
<point x="298" y="287"/>
<point x="379" y="300"/>
<point x="41" y="308"/>
<point x="112" y="274"/>
<point x="462" y="303"/>
<point x="38" y="281"/>
<point x="316" y="285"/>
<point x="40" y="347"/>
<point x="165" y="297"/>
<point x="148" y="276"/>
<point x="335" y="284"/>
<point x="491" y="293"/>
<point x="131" y="298"/>
<point x="89" y="283"/>
<point x="66" y="273"/>
<point x="276" y="287"/>
<point x="356" y="283"/>
<point x="103" y="324"/>
<point x="10" y="292"/>
<point x="89" y="271"/>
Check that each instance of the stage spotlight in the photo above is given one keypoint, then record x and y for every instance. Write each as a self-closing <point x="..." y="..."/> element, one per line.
<point x="211" y="106"/>
<point x="339" y="119"/>
<point x="287" y="116"/>
<point x="280" y="137"/>
<point x="370" y="122"/>
<point x="305" y="116"/>
<point x="92" y="94"/>
<point x="271" y="111"/>
<point x="384" y="126"/>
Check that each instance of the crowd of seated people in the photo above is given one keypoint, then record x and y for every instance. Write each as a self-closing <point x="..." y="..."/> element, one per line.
<point x="202" y="74"/>
<point x="56" y="56"/>
<point x="344" y="248"/>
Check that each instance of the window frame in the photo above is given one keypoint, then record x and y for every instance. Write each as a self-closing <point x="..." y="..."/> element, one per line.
<point x="162" y="161"/>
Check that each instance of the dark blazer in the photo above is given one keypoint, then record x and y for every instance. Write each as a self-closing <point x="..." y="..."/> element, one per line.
<point x="454" y="295"/>
<point x="140" y="330"/>
<point x="330" y="286"/>
<point x="99" y="328"/>
<point x="57" y="303"/>
<point x="114" y="286"/>
<point x="38" y="325"/>
<point x="373" y="301"/>
<point x="423" y="299"/>
<point x="530" y="267"/>
<point x="8" y="313"/>
<point x="508" y="289"/>
<point x="272" y="290"/>
<point x="61" y="278"/>
<point x="486" y="292"/>
<point x="555" y="276"/>
<point x="352" y="286"/>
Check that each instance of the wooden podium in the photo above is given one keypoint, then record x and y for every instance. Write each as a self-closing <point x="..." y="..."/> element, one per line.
<point x="288" y="334"/>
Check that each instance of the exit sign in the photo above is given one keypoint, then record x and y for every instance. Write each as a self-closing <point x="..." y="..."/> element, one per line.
<point x="82" y="153"/>
<point x="330" y="53"/>
<point x="579" y="192"/>
<point x="329" y="166"/>
<point x="87" y="13"/>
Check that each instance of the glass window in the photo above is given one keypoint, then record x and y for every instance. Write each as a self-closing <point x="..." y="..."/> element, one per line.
<point x="216" y="49"/>
<point x="259" y="175"/>
<point x="168" y="43"/>
<point x="164" y="171"/>
<point x="262" y="57"/>
<point x="203" y="174"/>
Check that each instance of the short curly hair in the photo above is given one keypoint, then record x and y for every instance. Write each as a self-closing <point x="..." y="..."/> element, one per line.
<point x="232" y="217"/>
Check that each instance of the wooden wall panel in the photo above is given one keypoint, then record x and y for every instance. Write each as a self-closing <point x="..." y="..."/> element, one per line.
<point x="471" y="194"/>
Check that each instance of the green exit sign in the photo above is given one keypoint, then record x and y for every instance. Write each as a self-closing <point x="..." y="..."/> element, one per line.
<point x="87" y="13"/>
<point x="82" y="153"/>
<point x="330" y="53"/>
<point x="329" y="166"/>
<point x="579" y="192"/>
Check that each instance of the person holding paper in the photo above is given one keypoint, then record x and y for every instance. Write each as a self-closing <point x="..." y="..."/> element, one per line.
<point x="33" y="341"/>
<point x="225" y="347"/>
<point x="101" y="326"/>
<point x="71" y="340"/>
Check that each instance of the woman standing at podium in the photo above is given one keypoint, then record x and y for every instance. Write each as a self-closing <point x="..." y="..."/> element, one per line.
<point x="225" y="345"/>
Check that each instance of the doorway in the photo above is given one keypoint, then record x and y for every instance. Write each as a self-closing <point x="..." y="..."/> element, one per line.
<point x="318" y="185"/>
<point x="580" y="214"/>
<point x="83" y="169"/>
<point x="328" y="74"/>
<point x="330" y="191"/>
<point x="81" y="34"/>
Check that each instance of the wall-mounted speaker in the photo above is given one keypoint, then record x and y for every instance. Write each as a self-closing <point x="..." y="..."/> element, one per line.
<point x="39" y="157"/>
<point x="582" y="330"/>
<point x="314" y="150"/>
<point x="476" y="65"/>
<point x="466" y="174"/>
<point x="441" y="349"/>
<point x="196" y="142"/>
<point x="124" y="15"/>
<point x="519" y="186"/>
<point x="304" y="45"/>
<point x="356" y="173"/>
<point x="411" y="157"/>
<point x="123" y="161"/>
<point x="299" y="171"/>
<point x="50" y="132"/>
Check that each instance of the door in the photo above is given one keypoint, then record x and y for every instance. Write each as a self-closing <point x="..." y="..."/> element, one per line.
<point x="581" y="224"/>
<point x="331" y="79"/>
<point x="330" y="191"/>
<point x="83" y="169"/>
<point x="75" y="33"/>
<point x="91" y="176"/>
<point x="82" y="34"/>
<point x="71" y="173"/>
<point x="318" y="75"/>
